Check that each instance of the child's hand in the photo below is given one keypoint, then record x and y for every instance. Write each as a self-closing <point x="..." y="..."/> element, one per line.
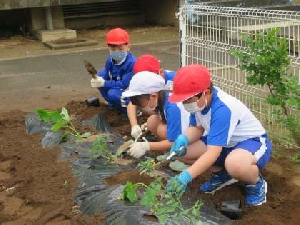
<point x="178" y="184"/>
<point x="138" y="149"/>
<point x="136" y="131"/>
<point x="97" y="82"/>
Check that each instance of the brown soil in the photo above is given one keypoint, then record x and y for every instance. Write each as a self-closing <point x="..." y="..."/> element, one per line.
<point x="36" y="187"/>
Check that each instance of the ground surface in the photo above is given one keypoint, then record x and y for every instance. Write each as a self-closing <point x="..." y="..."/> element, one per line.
<point x="36" y="187"/>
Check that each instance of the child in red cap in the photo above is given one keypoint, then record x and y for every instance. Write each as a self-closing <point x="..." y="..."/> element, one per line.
<point x="117" y="73"/>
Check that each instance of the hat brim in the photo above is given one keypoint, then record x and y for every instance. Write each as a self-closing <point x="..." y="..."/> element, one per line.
<point x="117" y="43"/>
<point x="179" y="98"/>
<point x="129" y="93"/>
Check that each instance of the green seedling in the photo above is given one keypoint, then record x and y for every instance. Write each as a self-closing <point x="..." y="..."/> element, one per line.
<point x="100" y="148"/>
<point x="164" y="206"/>
<point x="129" y="192"/>
<point x="147" y="166"/>
<point x="266" y="60"/>
<point x="60" y="121"/>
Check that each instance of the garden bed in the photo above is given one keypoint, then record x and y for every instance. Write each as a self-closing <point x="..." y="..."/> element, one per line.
<point x="36" y="186"/>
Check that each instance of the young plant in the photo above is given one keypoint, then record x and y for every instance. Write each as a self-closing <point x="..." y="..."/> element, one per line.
<point x="100" y="148"/>
<point x="60" y="121"/>
<point x="163" y="206"/>
<point x="147" y="166"/>
<point x="266" y="60"/>
<point x="129" y="192"/>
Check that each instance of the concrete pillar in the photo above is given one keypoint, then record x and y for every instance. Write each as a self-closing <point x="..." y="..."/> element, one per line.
<point x="37" y="19"/>
<point x="47" y="24"/>
<point x="49" y="21"/>
<point x="46" y="18"/>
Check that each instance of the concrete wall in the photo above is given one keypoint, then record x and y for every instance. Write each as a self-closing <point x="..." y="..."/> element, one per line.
<point x="104" y="21"/>
<point x="161" y="11"/>
<point x="19" y="4"/>
<point x="38" y="18"/>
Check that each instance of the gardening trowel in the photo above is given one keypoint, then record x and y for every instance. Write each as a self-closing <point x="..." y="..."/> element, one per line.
<point x="170" y="157"/>
<point x="90" y="68"/>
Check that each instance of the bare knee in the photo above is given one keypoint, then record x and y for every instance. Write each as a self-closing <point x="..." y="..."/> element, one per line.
<point x="152" y="123"/>
<point x="239" y="162"/>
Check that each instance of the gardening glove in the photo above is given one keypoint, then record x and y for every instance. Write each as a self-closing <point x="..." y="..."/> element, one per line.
<point x="180" y="145"/>
<point x="97" y="82"/>
<point x="138" y="149"/>
<point x="136" y="131"/>
<point x="144" y="126"/>
<point x="178" y="184"/>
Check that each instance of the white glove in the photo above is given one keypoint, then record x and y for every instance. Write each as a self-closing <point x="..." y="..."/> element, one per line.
<point x="97" y="82"/>
<point x="144" y="126"/>
<point x="136" y="131"/>
<point x="138" y="149"/>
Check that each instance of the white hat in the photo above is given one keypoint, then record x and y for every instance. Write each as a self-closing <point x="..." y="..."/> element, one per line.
<point x="144" y="83"/>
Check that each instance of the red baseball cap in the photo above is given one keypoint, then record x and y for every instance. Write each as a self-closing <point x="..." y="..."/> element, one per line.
<point x="117" y="36"/>
<point x="147" y="62"/>
<point x="189" y="81"/>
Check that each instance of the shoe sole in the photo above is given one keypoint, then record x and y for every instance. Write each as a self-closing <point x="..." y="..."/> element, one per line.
<point x="229" y="182"/>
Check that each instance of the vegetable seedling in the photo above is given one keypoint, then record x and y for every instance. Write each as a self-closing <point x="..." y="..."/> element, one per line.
<point x="60" y="121"/>
<point x="164" y="206"/>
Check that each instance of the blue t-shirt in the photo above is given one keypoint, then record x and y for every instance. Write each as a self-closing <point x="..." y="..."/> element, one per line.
<point x="227" y="121"/>
<point x="118" y="75"/>
<point x="176" y="116"/>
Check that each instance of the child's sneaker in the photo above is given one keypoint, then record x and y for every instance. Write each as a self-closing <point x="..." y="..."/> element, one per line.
<point x="256" y="194"/>
<point x="217" y="181"/>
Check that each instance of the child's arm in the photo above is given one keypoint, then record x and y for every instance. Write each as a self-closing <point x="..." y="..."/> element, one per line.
<point x="120" y="84"/>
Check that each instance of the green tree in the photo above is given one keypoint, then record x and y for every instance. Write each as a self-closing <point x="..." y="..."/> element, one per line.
<point x="266" y="60"/>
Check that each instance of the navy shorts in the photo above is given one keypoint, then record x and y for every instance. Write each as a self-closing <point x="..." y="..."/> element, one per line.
<point x="260" y="147"/>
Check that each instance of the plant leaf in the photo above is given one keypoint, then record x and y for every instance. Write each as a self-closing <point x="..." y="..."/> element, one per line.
<point x="59" y="124"/>
<point x="43" y="115"/>
<point x="64" y="113"/>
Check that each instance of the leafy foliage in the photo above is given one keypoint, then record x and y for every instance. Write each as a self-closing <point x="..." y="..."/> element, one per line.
<point x="60" y="121"/>
<point x="129" y="192"/>
<point x="164" y="206"/>
<point x="147" y="166"/>
<point x="266" y="60"/>
<point x="100" y="148"/>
